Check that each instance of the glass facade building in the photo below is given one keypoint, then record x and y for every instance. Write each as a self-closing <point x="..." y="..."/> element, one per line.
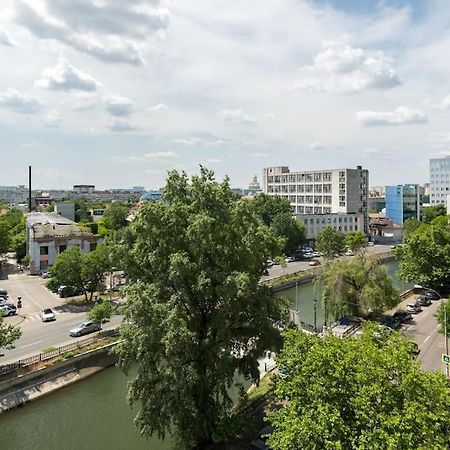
<point x="403" y="202"/>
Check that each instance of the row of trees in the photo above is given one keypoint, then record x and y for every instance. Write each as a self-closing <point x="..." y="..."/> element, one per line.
<point x="12" y="233"/>
<point x="332" y="242"/>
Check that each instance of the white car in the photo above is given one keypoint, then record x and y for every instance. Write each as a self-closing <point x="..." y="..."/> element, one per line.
<point x="8" y="309"/>
<point x="316" y="254"/>
<point x="47" y="315"/>
<point x="370" y="244"/>
<point x="349" y="253"/>
<point x="290" y="259"/>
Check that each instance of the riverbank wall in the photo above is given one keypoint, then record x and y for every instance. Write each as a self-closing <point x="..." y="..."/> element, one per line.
<point x="18" y="391"/>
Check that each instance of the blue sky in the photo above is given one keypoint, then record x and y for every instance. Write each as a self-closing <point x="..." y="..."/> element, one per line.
<point x="117" y="93"/>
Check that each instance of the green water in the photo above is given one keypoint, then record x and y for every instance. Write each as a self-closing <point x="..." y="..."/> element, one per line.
<point x="94" y="415"/>
<point x="302" y="297"/>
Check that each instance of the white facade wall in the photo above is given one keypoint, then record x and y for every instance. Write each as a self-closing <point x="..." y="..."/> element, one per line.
<point x="439" y="180"/>
<point x="346" y="223"/>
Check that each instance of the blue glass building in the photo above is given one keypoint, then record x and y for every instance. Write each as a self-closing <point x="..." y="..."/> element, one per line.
<point x="403" y="202"/>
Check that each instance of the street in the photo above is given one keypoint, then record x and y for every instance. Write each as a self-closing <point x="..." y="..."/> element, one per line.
<point x="300" y="266"/>
<point x="38" y="335"/>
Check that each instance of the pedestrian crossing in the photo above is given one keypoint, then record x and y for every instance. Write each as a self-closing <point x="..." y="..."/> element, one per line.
<point x="37" y="316"/>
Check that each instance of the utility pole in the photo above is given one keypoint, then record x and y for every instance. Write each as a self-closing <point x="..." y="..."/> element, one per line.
<point x="315" y="315"/>
<point x="446" y="339"/>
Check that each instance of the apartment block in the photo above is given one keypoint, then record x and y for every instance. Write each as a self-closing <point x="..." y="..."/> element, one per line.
<point x="321" y="192"/>
<point x="439" y="180"/>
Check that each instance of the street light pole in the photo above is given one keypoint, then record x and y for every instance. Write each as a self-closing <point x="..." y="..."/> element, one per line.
<point x="315" y="315"/>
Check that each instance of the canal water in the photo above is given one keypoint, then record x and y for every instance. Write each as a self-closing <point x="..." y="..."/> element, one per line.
<point x="94" y="415"/>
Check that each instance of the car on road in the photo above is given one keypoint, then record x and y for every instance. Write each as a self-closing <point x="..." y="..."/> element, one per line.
<point x="47" y="315"/>
<point x="423" y="301"/>
<point x="370" y="244"/>
<point x="290" y="259"/>
<point x="403" y="316"/>
<point x="3" y="293"/>
<point x="392" y="322"/>
<point x="85" y="328"/>
<point x="269" y="263"/>
<point x="413" y="308"/>
<point x="8" y="309"/>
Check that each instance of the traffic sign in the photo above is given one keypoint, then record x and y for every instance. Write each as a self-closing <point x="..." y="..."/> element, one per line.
<point x="445" y="358"/>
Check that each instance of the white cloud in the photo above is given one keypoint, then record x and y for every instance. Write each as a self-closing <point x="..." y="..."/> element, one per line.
<point x="235" y="116"/>
<point x="259" y="155"/>
<point x="193" y="140"/>
<point x="400" y="116"/>
<point x="53" y="119"/>
<point x="316" y="146"/>
<point x="118" y="106"/>
<point x="110" y="30"/>
<point x="65" y="77"/>
<point x="17" y="102"/>
<point x="439" y="140"/>
<point x="341" y="68"/>
<point x="151" y="156"/>
<point x="5" y="38"/>
<point x="161" y="155"/>
<point x="158" y="107"/>
<point x="120" y="126"/>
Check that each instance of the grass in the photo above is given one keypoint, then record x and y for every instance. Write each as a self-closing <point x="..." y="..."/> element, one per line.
<point x="256" y="392"/>
<point x="48" y="349"/>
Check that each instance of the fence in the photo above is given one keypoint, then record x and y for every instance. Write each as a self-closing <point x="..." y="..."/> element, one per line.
<point x="57" y="351"/>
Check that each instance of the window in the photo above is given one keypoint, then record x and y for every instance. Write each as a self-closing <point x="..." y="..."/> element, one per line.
<point x="327" y="188"/>
<point x="61" y="248"/>
<point x="309" y="188"/>
<point x="309" y="177"/>
<point x="318" y="188"/>
<point x="327" y="176"/>
<point x="92" y="246"/>
<point x="43" y="250"/>
<point x="300" y="188"/>
<point x="317" y="177"/>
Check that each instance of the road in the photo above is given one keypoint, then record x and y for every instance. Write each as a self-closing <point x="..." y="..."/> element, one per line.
<point x="300" y="266"/>
<point x="37" y="335"/>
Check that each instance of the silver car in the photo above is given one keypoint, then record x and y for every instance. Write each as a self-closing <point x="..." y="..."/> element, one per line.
<point x="85" y="328"/>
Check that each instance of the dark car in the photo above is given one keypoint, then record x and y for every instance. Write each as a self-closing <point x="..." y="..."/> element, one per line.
<point x="3" y="293"/>
<point x="68" y="291"/>
<point x="423" y="301"/>
<point x="392" y="322"/>
<point x="403" y="316"/>
<point x="432" y="295"/>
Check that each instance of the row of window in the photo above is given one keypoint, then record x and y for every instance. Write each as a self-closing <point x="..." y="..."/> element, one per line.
<point x="329" y="220"/>
<point x="300" y="188"/>
<point x="43" y="249"/>
<point x="312" y="210"/>
<point x="299" y="177"/>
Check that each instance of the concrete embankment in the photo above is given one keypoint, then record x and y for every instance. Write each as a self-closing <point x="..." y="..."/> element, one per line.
<point x="17" y="391"/>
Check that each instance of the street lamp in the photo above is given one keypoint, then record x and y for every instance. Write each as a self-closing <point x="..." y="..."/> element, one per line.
<point x="315" y="315"/>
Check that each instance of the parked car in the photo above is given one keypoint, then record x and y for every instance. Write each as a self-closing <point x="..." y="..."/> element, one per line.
<point x="68" y="291"/>
<point x="8" y="309"/>
<point x="432" y="295"/>
<point x="423" y="301"/>
<point x="84" y="328"/>
<point x="308" y="255"/>
<point x="403" y="316"/>
<point x="392" y="322"/>
<point x="45" y="275"/>
<point x="413" y="308"/>
<point x="3" y="293"/>
<point x="269" y="263"/>
<point x="317" y="254"/>
<point x="290" y="259"/>
<point x="393" y="246"/>
<point x="47" y="315"/>
<point x="349" y="253"/>
<point x="370" y="244"/>
<point x="415" y="350"/>
<point x="3" y="301"/>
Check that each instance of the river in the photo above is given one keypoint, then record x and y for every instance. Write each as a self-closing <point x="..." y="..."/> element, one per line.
<point x="94" y="415"/>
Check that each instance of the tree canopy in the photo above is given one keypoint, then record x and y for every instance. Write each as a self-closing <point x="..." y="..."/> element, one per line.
<point x="101" y="312"/>
<point x="409" y="227"/>
<point x="431" y="212"/>
<point x="275" y="212"/>
<point x="443" y="317"/>
<point x="330" y="242"/>
<point x="356" y="240"/>
<point x="84" y="271"/>
<point x="356" y="287"/>
<point x="357" y="393"/>
<point x="196" y="315"/>
<point x="115" y="216"/>
<point x="8" y="335"/>
<point x="425" y="256"/>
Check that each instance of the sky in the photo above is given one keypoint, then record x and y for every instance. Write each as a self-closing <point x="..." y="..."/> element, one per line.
<point x="117" y="93"/>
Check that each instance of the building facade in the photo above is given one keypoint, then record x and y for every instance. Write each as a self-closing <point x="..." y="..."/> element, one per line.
<point x="439" y="180"/>
<point x="321" y="192"/>
<point x="65" y="209"/>
<point x="49" y="234"/>
<point x="403" y="202"/>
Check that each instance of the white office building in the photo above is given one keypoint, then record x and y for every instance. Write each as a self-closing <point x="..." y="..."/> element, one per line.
<point x="325" y="197"/>
<point x="439" y="180"/>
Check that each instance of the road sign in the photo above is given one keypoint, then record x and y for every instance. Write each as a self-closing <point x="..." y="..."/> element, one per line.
<point x="445" y="358"/>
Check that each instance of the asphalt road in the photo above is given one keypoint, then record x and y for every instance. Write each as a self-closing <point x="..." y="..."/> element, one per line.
<point x="37" y="335"/>
<point x="299" y="266"/>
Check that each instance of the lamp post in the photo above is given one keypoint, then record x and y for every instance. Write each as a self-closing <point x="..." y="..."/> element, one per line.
<point x="315" y="315"/>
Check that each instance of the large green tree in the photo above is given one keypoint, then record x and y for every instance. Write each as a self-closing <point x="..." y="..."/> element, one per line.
<point x="425" y="256"/>
<point x="356" y="241"/>
<point x="429" y="213"/>
<point x="196" y="315"/>
<point x="331" y="242"/>
<point x="443" y="317"/>
<point x="356" y="287"/>
<point x="115" y="216"/>
<point x="8" y="335"/>
<point x="409" y="227"/>
<point x="84" y="271"/>
<point x="357" y="393"/>
<point x="4" y="236"/>
<point x="275" y="212"/>
<point x="101" y="312"/>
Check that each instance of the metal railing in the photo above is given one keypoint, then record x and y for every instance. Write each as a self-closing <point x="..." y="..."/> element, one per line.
<point x="57" y="351"/>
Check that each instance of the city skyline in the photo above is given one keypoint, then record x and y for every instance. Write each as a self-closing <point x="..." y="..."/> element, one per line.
<point x="156" y="86"/>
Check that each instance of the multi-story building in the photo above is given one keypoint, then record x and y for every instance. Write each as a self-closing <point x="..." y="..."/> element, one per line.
<point x="328" y="194"/>
<point x="13" y="194"/>
<point x="49" y="234"/>
<point x="83" y="188"/>
<point x="439" y="180"/>
<point x="404" y="202"/>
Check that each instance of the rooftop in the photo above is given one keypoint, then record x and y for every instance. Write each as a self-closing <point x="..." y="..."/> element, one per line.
<point x="47" y="225"/>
